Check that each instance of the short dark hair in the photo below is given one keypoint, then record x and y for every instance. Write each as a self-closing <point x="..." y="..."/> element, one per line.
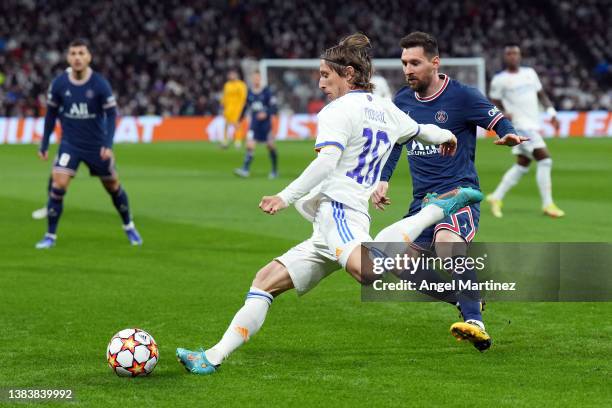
<point x="421" y="39"/>
<point x="79" y="42"/>
<point x="512" y="44"/>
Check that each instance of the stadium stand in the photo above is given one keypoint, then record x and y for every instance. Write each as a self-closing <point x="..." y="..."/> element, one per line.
<point x="170" y="57"/>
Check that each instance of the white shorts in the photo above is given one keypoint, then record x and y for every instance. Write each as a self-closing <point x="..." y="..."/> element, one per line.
<point x="337" y="231"/>
<point x="536" y="141"/>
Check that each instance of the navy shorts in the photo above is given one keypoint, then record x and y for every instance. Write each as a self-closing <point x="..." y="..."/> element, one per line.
<point x="464" y="223"/>
<point x="69" y="157"/>
<point x="260" y="132"/>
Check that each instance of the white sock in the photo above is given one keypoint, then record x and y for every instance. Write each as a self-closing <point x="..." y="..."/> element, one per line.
<point x="409" y="229"/>
<point x="477" y="322"/>
<point x="544" y="181"/>
<point x="245" y="324"/>
<point x="512" y="176"/>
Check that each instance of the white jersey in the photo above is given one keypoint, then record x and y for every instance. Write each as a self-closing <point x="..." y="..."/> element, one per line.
<point x="518" y="92"/>
<point x="365" y="127"/>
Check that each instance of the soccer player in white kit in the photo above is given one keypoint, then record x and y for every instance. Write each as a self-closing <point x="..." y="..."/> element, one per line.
<point x="356" y="133"/>
<point x="518" y="90"/>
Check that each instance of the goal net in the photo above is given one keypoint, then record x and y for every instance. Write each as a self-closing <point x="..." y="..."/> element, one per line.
<point x="295" y="81"/>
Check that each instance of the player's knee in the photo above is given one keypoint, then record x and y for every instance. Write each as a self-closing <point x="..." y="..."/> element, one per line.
<point x="273" y="278"/>
<point x="448" y="244"/>
<point x="112" y="186"/>
<point x="57" y="193"/>
<point x="545" y="162"/>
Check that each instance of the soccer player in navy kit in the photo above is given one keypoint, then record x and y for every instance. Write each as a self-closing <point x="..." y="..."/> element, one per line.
<point x="87" y="110"/>
<point x="431" y="97"/>
<point x="262" y="104"/>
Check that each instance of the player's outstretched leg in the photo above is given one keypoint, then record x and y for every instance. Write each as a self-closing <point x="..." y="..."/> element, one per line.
<point x="245" y="324"/>
<point x="41" y="213"/>
<point x="435" y="209"/>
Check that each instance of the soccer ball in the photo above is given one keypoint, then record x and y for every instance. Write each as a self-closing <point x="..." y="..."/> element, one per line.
<point x="132" y="352"/>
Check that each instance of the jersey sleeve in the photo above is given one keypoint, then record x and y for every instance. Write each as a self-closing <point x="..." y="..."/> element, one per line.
<point x="333" y="129"/>
<point x="408" y="128"/>
<point x="495" y="90"/>
<point x="106" y="95"/>
<point x="536" y="80"/>
<point x="54" y="97"/>
<point x="479" y="110"/>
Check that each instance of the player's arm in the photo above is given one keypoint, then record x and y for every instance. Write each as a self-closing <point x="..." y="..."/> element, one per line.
<point x="53" y="103"/>
<point x="318" y="170"/>
<point x="550" y="109"/>
<point x="428" y="134"/>
<point x="109" y="106"/>
<point x="333" y="131"/>
<point x="379" y="196"/>
<point x="481" y="112"/>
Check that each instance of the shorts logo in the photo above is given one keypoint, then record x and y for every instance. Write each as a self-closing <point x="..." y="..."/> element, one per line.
<point x="441" y="116"/>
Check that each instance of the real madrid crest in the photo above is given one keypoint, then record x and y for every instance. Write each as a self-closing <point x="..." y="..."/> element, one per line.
<point x="441" y="116"/>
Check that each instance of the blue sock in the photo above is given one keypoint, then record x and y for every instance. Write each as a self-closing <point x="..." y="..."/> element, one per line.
<point x="248" y="159"/>
<point x="120" y="200"/>
<point x="49" y="184"/>
<point x="273" y="159"/>
<point x="469" y="300"/>
<point x="55" y="205"/>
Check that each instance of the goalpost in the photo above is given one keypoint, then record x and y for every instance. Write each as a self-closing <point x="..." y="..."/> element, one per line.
<point x="295" y="81"/>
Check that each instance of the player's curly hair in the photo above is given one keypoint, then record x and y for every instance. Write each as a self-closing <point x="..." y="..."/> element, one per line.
<point x="353" y="51"/>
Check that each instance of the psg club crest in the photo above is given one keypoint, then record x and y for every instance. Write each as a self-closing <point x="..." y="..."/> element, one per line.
<point x="89" y="94"/>
<point x="441" y="116"/>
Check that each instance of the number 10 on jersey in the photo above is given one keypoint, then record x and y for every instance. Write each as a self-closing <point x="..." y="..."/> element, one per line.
<point x="376" y="151"/>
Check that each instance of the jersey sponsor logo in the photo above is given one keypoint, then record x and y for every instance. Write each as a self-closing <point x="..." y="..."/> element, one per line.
<point x="79" y="111"/>
<point x="493" y="111"/>
<point x="416" y="148"/>
<point x="441" y="116"/>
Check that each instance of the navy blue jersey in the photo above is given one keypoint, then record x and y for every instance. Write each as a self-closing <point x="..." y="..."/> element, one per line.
<point x="262" y="101"/>
<point x="460" y="109"/>
<point x="83" y="109"/>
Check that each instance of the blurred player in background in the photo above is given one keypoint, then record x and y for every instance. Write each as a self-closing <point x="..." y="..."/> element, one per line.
<point x="354" y="138"/>
<point x="87" y="110"/>
<point x="518" y="89"/>
<point x="381" y="87"/>
<point x="433" y="97"/>
<point x="233" y="100"/>
<point x="262" y="104"/>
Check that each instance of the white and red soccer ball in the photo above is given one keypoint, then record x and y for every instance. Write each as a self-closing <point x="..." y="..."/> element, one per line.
<point x="132" y="353"/>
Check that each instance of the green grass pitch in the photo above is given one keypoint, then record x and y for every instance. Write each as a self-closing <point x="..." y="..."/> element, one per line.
<point x="204" y="240"/>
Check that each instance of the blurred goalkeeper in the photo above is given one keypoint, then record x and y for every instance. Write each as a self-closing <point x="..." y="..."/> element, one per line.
<point x="233" y="100"/>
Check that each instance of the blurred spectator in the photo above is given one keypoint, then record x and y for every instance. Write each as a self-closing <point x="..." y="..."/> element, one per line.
<point x="169" y="57"/>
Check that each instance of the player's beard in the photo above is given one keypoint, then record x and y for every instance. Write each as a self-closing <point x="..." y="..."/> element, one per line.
<point x="417" y="85"/>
